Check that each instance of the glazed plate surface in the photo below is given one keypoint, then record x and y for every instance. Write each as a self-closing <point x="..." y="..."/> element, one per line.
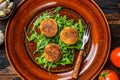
<point x="87" y="10"/>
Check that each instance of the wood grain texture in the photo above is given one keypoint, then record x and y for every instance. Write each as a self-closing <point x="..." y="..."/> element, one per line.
<point x="77" y="64"/>
<point x="6" y="70"/>
<point x="108" y="4"/>
<point x="111" y="8"/>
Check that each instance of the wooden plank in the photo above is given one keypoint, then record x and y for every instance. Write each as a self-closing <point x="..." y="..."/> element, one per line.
<point x="115" y="30"/>
<point x="3" y="60"/>
<point x="115" y="35"/>
<point x="2" y="48"/>
<point x="111" y="11"/>
<point x="114" y="22"/>
<point x="113" y="19"/>
<point x="114" y="16"/>
<point x="8" y="74"/>
<point x="8" y="71"/>
<point x="10" y="77"/>
<point x="106" y="4"/>
<point x="110" y="66"/>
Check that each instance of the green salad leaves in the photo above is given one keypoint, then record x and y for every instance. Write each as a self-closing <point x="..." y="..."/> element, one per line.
<point x="68" y="51"/>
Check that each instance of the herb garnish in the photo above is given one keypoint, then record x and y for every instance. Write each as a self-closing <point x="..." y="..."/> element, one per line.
<point x="68" y="51"/>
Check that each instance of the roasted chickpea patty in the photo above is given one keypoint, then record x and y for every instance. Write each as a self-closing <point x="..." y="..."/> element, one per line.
<point x="69" y="35"/>
<point x="48" y="27"/>
<point x="52" y="52"/>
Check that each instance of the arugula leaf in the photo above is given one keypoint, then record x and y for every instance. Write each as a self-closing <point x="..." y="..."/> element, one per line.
<point x="39" y="20"/>
<point x="68" y="51"/>
<point x="57" y="9"/>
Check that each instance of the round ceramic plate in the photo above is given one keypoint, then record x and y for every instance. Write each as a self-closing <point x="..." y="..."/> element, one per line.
<point x="20" y="58"/>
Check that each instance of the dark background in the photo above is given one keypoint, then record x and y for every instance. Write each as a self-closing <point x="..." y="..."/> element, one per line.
<point x="111" y="9"/>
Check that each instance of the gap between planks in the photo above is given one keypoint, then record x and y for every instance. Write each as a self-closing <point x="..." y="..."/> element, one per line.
<point x="8" y="71"/>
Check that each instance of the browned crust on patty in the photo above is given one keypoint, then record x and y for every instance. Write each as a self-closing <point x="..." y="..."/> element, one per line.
<point x="69" y="35"/>
<point x="48" y="27"/>
<point x="52" y="52"/>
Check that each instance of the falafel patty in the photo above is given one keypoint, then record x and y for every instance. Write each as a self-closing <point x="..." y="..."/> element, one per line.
<point x="69" y="35"/>
<point x="48" y="27"/>
<point x="52" y="52"/>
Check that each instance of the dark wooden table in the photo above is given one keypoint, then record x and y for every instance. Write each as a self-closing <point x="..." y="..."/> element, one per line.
<point x="111" y="9"/>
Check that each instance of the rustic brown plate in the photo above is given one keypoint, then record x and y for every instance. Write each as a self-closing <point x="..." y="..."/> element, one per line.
<point x="23" y="63"/>
<point x="31" y="46"/>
